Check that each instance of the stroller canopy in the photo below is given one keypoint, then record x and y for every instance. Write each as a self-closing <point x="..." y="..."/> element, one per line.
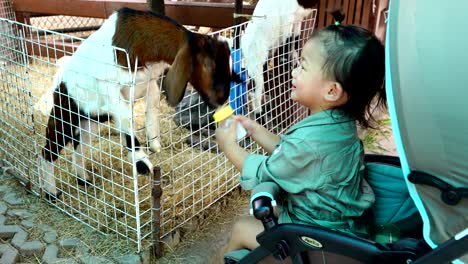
<point x="427" y="89"/>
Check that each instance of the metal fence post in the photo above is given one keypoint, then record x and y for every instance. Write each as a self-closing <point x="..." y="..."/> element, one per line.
<point x="156" y="193"/>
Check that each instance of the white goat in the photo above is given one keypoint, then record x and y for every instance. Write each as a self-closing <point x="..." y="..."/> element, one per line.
<point x="273" y="22"/>
<point x="46" y="102"/>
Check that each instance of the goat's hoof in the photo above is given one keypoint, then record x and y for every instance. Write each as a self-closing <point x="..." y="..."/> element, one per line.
<point x="155" y="146"/>
<point x="142" y="168"/>
<point x="52" y="197"/>
<point x="82" y="182"/>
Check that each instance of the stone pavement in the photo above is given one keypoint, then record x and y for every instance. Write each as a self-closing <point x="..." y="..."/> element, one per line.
<point x="30" y="234"/>
<point x="24" y="238"/>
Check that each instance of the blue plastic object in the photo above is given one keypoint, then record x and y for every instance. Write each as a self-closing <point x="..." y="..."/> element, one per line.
<point x="238" y="93"/>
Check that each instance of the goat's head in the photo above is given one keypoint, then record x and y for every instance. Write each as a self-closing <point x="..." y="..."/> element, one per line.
<point x="203" y="61"/>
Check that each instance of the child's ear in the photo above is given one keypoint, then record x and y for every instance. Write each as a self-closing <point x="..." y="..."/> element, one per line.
<point x="334" y="92"/>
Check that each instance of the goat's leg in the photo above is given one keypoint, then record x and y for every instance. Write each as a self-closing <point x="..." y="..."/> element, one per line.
<point x="83" y="137"/>
<point x="258" y="91"/>
<point x="49" y="154"/>
<point x="151" y="116"/>
<point x="141" y="159"/>
<point x="59" y="132"/>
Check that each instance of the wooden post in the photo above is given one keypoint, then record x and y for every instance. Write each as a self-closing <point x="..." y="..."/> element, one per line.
<point x="157" y="6"/>
<point x="237" y="20"/>
<point x="156" y="193"/>
<point x="380" y="27"/>
<point x="238" y="10"/>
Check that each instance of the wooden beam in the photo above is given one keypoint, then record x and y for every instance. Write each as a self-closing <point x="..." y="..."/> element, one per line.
<point x="157" y="6"/>
<point x="45" y="49"/>
<point x="218" y="15"/>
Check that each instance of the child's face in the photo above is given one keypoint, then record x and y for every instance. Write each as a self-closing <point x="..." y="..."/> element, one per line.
<point x="308" y="82"/>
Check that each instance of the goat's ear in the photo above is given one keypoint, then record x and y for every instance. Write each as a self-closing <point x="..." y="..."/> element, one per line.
<point x="178" y="76"/>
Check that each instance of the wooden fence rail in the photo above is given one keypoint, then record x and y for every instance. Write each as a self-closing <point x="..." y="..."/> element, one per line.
<point x="366" y="13"/>
<point x="210" y="14"/>
<point x="217" y="15"/>
<point x="358" y="12"/>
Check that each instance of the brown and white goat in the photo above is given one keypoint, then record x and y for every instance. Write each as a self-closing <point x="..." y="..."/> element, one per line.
<point x="95" y="83"/>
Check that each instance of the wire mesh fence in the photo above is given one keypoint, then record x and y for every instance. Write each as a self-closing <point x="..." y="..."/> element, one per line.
<point x="76" y="26"/>
<point x="66" y="23"/>
<point x="6" y="11"/>
<point x="96" y="172"/>
<point x="32" y="105"/>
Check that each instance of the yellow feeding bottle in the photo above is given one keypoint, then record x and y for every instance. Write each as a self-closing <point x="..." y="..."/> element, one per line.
<point x="225" y="113"/>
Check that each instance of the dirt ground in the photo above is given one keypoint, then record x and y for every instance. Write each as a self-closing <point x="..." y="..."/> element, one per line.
<point x="205" y="245"/>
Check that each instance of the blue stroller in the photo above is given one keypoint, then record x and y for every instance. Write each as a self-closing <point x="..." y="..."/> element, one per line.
<point x="421" y="209"/>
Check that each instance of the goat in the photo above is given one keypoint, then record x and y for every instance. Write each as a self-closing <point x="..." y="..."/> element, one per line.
<point x="274" y="23"/>
<point x="45" y="103"/>
<point x="94" y="86"/>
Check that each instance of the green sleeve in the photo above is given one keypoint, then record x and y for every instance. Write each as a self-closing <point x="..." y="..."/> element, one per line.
<point x="292" y="165"/>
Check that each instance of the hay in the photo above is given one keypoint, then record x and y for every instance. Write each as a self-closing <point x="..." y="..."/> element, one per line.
<point x="192" y="178"/>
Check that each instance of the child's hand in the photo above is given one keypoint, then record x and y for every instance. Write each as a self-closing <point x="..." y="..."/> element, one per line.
<point x="249" y="125"/>
<point x="226" y="134"/>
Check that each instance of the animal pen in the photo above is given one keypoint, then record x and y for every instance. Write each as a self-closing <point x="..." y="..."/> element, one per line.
<point x="190" y="172"/>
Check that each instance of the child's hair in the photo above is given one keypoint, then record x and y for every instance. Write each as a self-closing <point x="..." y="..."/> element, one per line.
<point x="356" y="59"/>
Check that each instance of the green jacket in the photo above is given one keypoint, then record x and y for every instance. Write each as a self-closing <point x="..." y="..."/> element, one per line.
<point x="319" y="164"/>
